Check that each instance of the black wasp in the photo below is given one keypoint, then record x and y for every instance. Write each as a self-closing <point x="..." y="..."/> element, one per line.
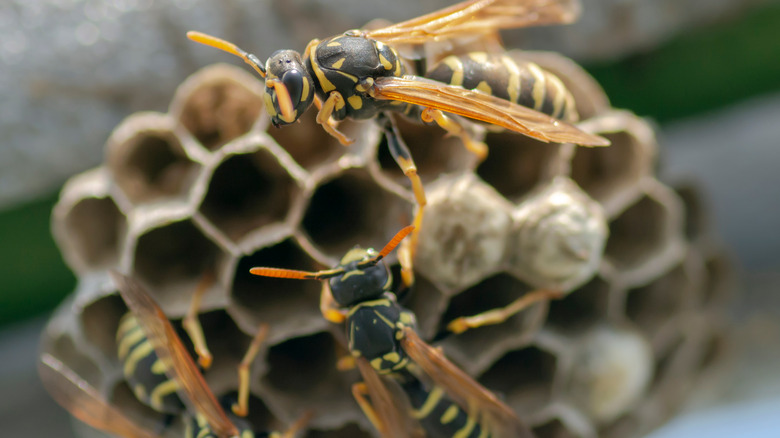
<point x="155" y="358"/>
<point x="360" y="75"/>
<point x="383" y="341"/>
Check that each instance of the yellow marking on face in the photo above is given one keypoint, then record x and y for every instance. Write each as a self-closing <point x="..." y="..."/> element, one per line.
<point x="333" y="43"/>
<point x="356" y="102"/>
<point x="327" y="86"/>
<point x="162" y="390"/>
<point x="338" y="63"/>
<point x="449" y="414"/>
<point x="559" y="95"/>
<point x="136" y="355"/>
<point x="480" y="57"/>
<point x="513" y="87"/>
<point x="467" y="428"/>
<point x="352" y="273"/>
<point x="385" y="62"/>
<point x="269" y="104"/>
<point x="352" y="78"/>
<point x="456" y="66"/>
<point x="305" y="90"/>
<point x="540" y="84"/>
<point x="128" y="340"/>
<point x="355" y="255"/>
<point x="433" y="399"/>
<point x="159" y="367"/>
<point x="484" y="87"/>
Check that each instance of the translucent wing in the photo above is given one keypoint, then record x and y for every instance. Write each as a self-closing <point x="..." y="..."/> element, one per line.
<point x="483" y="107"/>
<point x="396" y="423"/>
<point x="497" y="416"/>
<point x="83" y="401"/>
<point x="179" y="365"/>
<point x="476" y="17"/>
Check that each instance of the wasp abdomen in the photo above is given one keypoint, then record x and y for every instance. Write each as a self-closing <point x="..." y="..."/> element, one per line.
<point x="521" y="82"/>
<point x="439" y="415"/>
<point x="143" y="370"/>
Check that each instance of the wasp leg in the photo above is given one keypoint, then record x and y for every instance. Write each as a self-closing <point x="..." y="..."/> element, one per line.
<point x="359" y="391"/>
<point x="403" y="157"/>
<point x="329" y="308"/>
<point x="478" y="148"/>
<point x="335" y="101"/>
<point x="192" y="326"/>
<point x="242" y="407"/>
<point x="497" y="316"/>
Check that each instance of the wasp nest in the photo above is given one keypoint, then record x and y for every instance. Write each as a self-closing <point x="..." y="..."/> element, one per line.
<point x="210" y="186"/>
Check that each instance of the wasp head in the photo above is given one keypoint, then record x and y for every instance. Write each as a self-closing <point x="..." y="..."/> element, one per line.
<point x="360" y="282"/>
<point x="288" y="86"/>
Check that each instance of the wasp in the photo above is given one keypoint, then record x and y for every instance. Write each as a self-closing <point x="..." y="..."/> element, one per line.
<point x="382" y="341"/>
<point x="156" y="358"/>
<point x="360" y="74"/>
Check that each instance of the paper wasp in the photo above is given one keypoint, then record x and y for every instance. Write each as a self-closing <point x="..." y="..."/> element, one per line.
<point x="361" y="74"/>
<point x="161" y="358"/>
<point x="382" y="340"/>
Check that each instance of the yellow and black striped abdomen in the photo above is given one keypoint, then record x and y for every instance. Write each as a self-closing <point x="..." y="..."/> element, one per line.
<point x="521" y="82"/>
<point x="439" y="415"/>
<point x="143" y="370"/>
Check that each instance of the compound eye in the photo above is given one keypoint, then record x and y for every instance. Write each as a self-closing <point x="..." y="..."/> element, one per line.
<point x="293" y="80"/>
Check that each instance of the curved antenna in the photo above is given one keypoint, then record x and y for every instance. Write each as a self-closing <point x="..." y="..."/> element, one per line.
<point x="294" y="274"/>
<point x="229" y="47"/>
<point x="399" y="236"/>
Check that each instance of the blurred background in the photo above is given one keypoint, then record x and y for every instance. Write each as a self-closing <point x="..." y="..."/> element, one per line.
<point x="706" y="71"/>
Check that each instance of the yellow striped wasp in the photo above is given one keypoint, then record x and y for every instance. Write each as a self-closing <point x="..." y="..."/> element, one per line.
<point x="382" y="340"/>
<point x="361" y="74"/>
<point x="162" y="352"/>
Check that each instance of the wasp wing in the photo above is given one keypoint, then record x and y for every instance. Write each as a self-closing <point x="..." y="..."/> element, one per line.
<point x="499" y="418"/>
<point x="83" y="401"/>
<point x="396" y="423"/>
<point x="195" y="393"/>
<point x="475" y="17"/>
<point x="483" y="107"/>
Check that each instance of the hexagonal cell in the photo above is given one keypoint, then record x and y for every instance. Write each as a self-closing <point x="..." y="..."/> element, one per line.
<point x="350" y="430"/>
<point x="558" y="237"/>
<point x="218" y="104"/>
<point x="524" y="377"/>
<point x="302" y="373"/>
<point x="100" y="321"/>
<point x="613" y="367"/>
<point x="463" y="236"/>
<point x="433" y="151"/>
<point x="696" y="226"/>
<point x="351" y="209"/>
<point x="95" y="227"/>
<point x="639" y="234"/>
<point x="309" y="144"/>
<point x="581" y="307"/>
<point x="653" y="305"/>
<point x="148" y="160"/>
<point x="279" y="302"/>
<point x="228" y="344"/>
<point x="554" y="429"/>
<point x="247" y="192"/>
<point x="476" y="348"/>
<point x="425" y="300"/>
<point x="172" y="259"/>
<point x="611" y="174"/>
<point x="516" y="164"/>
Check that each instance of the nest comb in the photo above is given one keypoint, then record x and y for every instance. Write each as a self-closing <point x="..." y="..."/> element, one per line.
<point x="211" y="186"/>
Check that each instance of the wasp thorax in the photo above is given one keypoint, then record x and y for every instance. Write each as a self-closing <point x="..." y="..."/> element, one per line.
<point x="289" y="87"/>
<point x="357" y="283"/>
